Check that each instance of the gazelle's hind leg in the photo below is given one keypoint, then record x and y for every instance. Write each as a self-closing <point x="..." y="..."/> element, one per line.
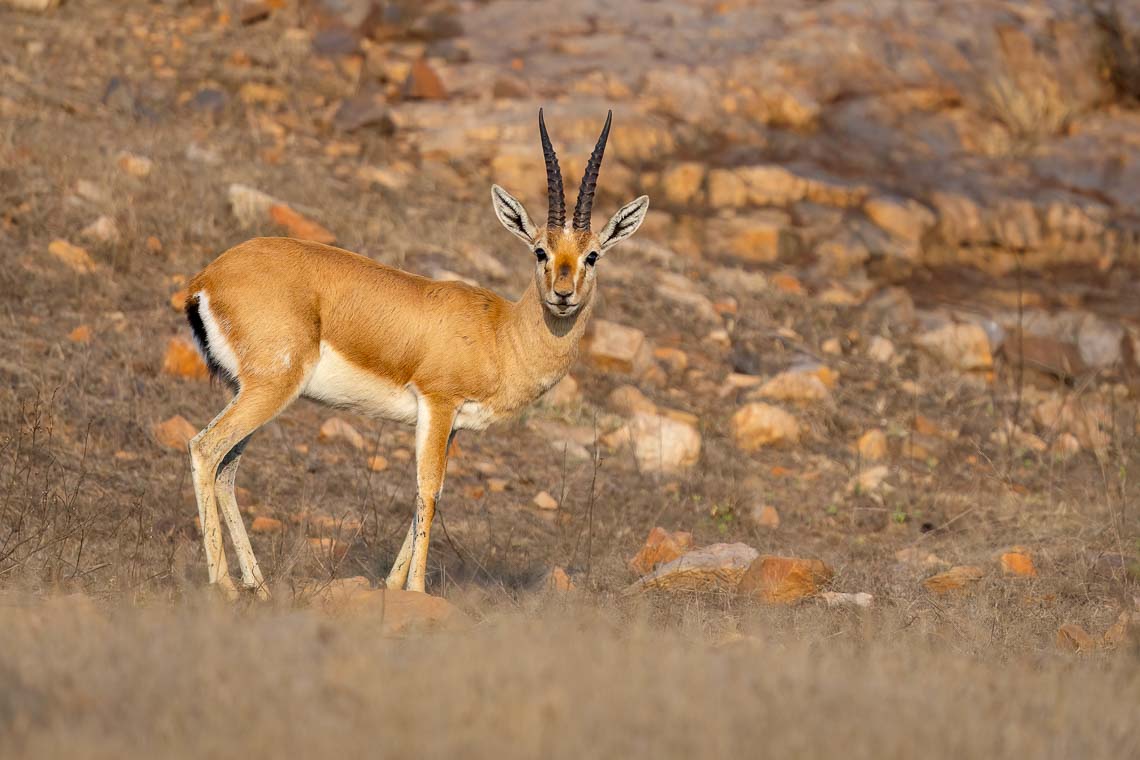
<point x="227" y="501"/>
<point x="256" y="403"/>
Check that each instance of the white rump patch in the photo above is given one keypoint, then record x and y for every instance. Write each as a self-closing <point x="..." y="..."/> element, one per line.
<point x="220" y="349"/>
<point x="338" y="382"/>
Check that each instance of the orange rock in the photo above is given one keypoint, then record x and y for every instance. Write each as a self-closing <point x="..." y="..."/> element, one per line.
<point x="81" y="334"/>
<point x="178" y="299"/>
<point x="153" y="244"/>
<point x="557" y="580"/>
<point x="1018" y="562"/>
<point x="660" y="547"/>
<point x="873" y="445"/>
<point x="1118" y="631"/>
<point x="335" y="429"/>
<point x="783" y="580"/>
<point x="496" y="485"/>
<point x="953" y="579"/>
<point x="398" y="613"/>
<point x="175" y="433"/>
<point x="377" y="463"/>
<point x="545" y="501"/>
<point x="72" y="255"/>
<point x="423" y="83"/>
<point x="299" y="226"/>
<point x="182" y="360"/>
<point x="1073" y="638"/>
<point x="766" y="516"/>
<point x="788" y="284"/>
<point x="327" y="548"/>
<point x="264" y="524"/>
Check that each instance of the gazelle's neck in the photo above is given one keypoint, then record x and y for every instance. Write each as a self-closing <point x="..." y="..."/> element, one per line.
<point x="539" y="347"/>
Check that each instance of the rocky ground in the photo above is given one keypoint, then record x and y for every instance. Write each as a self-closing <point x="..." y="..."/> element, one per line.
<point x="875" y="345"/>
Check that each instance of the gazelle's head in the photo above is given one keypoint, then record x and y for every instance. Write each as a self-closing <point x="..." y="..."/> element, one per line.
<point x="566" y="254"/>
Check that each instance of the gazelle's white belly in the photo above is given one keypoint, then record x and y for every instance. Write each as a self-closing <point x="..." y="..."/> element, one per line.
<point x="338" y="382"/>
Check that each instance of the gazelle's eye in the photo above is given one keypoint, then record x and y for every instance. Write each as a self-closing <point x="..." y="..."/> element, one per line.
<point x="540" y="254"/>
<point x="591" y="258"/>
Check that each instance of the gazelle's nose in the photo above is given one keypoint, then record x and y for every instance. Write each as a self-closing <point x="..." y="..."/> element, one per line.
<point x="563" y="290"/>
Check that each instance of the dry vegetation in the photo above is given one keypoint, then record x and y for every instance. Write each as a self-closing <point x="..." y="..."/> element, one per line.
<point x="110" y="646"/>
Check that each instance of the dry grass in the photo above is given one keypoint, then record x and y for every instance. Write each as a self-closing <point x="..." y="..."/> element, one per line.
<point x="548" y="679"/>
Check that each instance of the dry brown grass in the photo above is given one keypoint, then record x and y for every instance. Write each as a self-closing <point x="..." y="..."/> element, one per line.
<point x="547" y="678"/>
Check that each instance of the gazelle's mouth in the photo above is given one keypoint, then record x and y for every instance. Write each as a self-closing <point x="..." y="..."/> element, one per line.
<point x="562" y="309"/>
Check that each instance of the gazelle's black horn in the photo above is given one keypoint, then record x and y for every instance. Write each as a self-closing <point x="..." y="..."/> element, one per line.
<point x="585" y="204"/>
<point x="556" y="197"/>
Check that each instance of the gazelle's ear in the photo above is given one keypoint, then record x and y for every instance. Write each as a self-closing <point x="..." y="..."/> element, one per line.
<point x="624" y="223"/>
<point x="512" y="214"/>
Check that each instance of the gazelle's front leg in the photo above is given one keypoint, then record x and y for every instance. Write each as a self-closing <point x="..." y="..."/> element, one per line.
<point x="398" y="576"/>
<point x="433" y="433"/>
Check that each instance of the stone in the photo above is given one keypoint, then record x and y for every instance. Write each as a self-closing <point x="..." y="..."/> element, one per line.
<point x="796" y="386"/>
<point x="497" y="485"/>
<point x="250" y="206"/>
<point x="299" y="226"/>
<point x="964" y="346"/>
<point x="1071" y="637"/>
<point x="178" y="299"/>
<point x="766" y="516"/>
<point x="862" y="599"/>
<point x="1099" y="342"/>
<point x="842" y="254"/>
<point x="783" y="580"/>
<point x="665" y="442"/>
<point x="1088" y="419"/>
<point x="880" y="349"/>
<point x="337" y="429"/>
<point x="618" y="348"/>
<point x="674" y="359"/>
<point x="367" y="109"/>
<point x="760" y="237"/>
<point x="399" y="612"/>
<point x="564" y="393"/>
<point x="1117" y="633"/>
<point x="872" y="446"/>
<point x="134" y="165"/>
<point x="377" y="463"/>
<point x="183" y="360"/>
<point x="757" y="424"/>
<point x="913" y="555"/>
<point x="81" y="334"/>
<point x="1018" y="562"/>
<point x="557" y="579"/>
<point x="423" y="83"/>
<point x="868" y="481"/>
<point x="102" y="230"/>
<point x="263" y="524"/>
<point x="681" y="182"/>
<point x="772" y="185"/>
<point x="628" y="400"/>
<point x="726" y="189"/>
<point x="660" y="546"/>
<point x="1050" y="356"/>
<point x="901" y="217"/>
<point x="715" y="568"/>
<point x="32" y="6"/>
<point x="174" y="434"/>
<point x="954" y="579"/>
<point x="78" y="259"/>
<point x="543" y="500"/>
<point x="682" y="290"/>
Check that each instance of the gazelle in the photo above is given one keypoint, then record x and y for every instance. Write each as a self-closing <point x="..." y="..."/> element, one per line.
<point x="277" y="319"/>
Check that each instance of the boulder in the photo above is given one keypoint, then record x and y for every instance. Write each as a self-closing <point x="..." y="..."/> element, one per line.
<point x="175" y="433"/>
<point x="183" y="360"/>
<point x="758" y="424"/>
<point x="661" y="546"/>
<point x="954" y="579"/>
<point x="717" y="568"/>
<point x="964" y="346"/>
<point x="75" y="257"/>
<point x="618" y="348"/>
<point x="783" y="580"/>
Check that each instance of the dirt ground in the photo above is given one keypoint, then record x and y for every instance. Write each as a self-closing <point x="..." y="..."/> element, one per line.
<point x="110" y="645"/>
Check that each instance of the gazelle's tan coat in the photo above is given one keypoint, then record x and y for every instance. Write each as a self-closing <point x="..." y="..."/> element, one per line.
<point x="282" y="318"/>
